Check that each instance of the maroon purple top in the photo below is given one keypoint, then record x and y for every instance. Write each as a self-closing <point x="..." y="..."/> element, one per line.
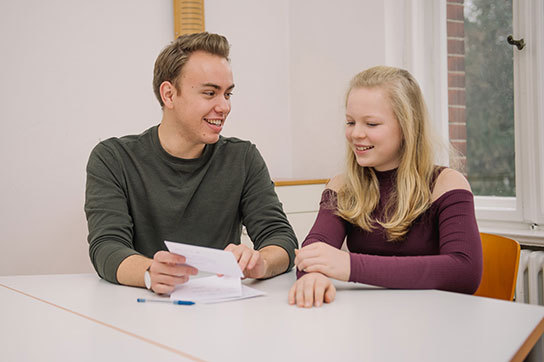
<point x="442" y="249"/>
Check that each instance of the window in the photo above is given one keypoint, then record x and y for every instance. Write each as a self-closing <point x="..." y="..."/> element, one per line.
<point x="489" y="79"/>
<point x="495" y="112"/>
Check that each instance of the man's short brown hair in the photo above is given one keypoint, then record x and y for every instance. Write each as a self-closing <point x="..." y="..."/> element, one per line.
<point x="171" y="60"/>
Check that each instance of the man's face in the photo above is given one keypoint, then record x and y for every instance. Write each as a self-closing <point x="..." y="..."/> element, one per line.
<point x="203" y="103"/>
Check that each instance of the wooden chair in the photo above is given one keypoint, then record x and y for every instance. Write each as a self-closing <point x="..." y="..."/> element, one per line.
<point x="500" y="267"/>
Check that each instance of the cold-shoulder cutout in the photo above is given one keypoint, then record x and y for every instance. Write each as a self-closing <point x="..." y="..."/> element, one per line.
<point x="336" y="182"/>
<point x="448" y="180"/>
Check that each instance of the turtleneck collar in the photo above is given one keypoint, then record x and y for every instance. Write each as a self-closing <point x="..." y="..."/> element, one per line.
<point x="386" y="175"/>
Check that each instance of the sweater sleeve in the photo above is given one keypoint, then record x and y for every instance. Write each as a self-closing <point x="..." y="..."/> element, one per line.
<point x="328" y="227"/>
<point x="457" y="267"/>
<point x="262" y="212"/>
<point x="106" y="207"/>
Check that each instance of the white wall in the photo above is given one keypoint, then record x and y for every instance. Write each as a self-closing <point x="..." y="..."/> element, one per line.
<point x="258" y="32"/>
<point x="330" y="43"/>
<point x="74" y="72"/>
<point x="293" y="59"/>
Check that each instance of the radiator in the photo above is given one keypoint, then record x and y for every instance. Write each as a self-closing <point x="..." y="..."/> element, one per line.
<point x="530" y="281"/>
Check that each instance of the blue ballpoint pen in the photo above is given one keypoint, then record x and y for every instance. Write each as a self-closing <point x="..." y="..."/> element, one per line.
<point x="178" y="302"/>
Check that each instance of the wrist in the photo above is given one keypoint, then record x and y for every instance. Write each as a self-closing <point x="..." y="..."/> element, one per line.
<point x="275" y="260"/>
<point x="347" y="268"/>
<point x="266" y="269"/>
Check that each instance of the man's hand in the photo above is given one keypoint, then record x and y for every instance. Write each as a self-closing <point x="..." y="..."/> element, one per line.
<point x="251" y="262"/>
<point x="168" y="270"/>
<point x="312" y="289"/>
<point x="325" y="259"/>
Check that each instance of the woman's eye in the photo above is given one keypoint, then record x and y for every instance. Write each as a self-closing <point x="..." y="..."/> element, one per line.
<point x="370" y="124"/>
<point x="350" y="123"/>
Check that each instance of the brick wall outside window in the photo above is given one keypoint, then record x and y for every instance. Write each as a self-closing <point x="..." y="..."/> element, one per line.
<point x="457" y="120"/>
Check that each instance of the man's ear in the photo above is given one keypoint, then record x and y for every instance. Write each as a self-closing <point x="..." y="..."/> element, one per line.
<point x="168" y="91"/>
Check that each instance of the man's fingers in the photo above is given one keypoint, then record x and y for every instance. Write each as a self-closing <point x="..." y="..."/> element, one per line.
<point x="247" y="258"/>
<point x="168" y="257"/>
<point x="165" y="283"/>
<point x="231" y="247"/>
<point x="170" y="279"/>
<point x="244" y="259"/>
<point x="255" y="256"/>
<point x="237" y="250"/>
<point x="175" y="270"/>
<point x="162" y="288"/>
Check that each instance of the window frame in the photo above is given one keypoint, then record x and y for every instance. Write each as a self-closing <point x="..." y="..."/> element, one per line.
<point x="522" y="217"/>
<point x="423" y="31"/>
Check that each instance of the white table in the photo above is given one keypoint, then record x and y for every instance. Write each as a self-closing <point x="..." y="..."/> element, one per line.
<point x="80" y="317"/>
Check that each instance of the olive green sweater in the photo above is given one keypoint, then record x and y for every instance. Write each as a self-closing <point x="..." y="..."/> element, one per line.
<point x="138" y="195"/>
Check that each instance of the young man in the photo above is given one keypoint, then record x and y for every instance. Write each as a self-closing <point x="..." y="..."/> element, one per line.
<point x="181" y="181"/>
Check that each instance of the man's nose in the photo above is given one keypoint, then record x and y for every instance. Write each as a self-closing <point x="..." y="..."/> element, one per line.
<point x="223" y="105"/>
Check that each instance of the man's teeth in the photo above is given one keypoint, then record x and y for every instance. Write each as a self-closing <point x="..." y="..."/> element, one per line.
<point x="216" y="122"/>
<point x="364" y="148"/>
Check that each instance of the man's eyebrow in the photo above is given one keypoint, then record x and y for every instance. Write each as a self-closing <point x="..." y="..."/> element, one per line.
<point x="215" y="86"/>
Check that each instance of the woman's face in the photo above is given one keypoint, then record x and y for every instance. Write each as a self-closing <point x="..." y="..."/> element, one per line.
<point x="372" y="130"/>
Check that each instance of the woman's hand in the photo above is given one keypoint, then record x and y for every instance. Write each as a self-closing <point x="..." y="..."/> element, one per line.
<point x="312" y="289"/>
<point x="325" y="259"/>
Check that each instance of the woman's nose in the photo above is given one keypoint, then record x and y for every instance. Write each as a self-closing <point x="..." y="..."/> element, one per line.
<point x="358" y="131"/>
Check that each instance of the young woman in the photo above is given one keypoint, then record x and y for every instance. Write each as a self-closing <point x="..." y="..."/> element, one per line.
<point x="408" y="223"/>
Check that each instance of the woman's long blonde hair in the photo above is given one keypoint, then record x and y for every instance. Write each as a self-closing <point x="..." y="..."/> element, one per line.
<point x="360" y="193"/>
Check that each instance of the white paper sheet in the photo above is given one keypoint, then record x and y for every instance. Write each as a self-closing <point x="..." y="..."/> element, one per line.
<point x="207" y="259"/>
<point x="213" y="289"/>
<point x="247" y="292"/>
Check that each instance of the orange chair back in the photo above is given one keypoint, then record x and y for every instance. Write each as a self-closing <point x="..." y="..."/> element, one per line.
<point x="500" y="267"/>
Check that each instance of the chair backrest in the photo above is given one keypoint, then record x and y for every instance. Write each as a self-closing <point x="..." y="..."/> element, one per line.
<point x="500" y="267"/>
